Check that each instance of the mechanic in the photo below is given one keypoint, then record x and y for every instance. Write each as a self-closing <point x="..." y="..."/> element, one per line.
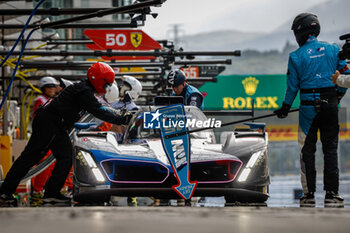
<point x="341" y="80"/>
<point x="39" y="181"/>
<point x="129" y="93"/>
<point x="191" y="95"/>
<point x="63" y="83"/>
<point x="310" y="70"/>
<point x="48" y="86"/>
<point x="50" y="128"/>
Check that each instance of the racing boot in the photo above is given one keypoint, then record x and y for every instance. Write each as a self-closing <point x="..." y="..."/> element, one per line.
<point x="36" y="199"/>
<point x="308" y="200"/>
<point x="8" y="201"/>
<point x="132" y="201"/>
<point x="333" y="199"/>
<point x="56" y="200"/>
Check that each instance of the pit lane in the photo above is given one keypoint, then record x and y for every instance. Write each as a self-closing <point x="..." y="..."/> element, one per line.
<point x="174" y="219"/>
<point x="282" y="214"/>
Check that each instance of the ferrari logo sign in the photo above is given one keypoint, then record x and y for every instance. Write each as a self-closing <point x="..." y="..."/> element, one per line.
<point x="122" y="40"/>
<point x="136" y="38"/>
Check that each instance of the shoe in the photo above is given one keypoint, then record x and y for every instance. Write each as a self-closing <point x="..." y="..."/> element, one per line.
<point x="132" y="201"/>
<point x="8" y="201"/>
<point x="36" y="199"/>
<point x="54" y="199"/>
<point x="308" y="200"/>
<point x="333" y="199"/>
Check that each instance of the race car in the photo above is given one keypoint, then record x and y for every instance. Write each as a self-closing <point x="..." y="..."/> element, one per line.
<point x="137" y="166"/>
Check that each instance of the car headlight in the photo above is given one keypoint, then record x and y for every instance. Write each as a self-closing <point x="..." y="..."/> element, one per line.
<point x="98" y="174"/>
<point x="251" y="163"/>
<point x="92" y="164"/>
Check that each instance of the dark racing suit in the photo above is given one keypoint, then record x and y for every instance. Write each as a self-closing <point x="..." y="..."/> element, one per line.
<point x="50" y="131"/>
<point x="192" y="96"/>
<point x="310" y="70"/>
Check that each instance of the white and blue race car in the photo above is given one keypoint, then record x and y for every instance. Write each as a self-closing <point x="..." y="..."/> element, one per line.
<point x="138" y="166"/>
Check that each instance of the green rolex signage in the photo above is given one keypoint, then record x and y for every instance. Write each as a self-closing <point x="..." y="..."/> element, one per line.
<point x="236" y="92"/>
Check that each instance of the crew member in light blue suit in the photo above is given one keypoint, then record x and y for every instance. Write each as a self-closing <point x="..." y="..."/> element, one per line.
<point x="310" y="70"/>
<point x="191" y="95"/>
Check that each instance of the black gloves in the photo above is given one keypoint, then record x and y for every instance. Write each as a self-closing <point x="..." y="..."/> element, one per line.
<point x="122" y="120"/>
<point x="283" y="111"/>
<point x="126" y="119"/>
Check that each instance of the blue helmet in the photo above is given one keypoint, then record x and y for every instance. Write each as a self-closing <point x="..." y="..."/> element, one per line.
<point x="176" y="78"/>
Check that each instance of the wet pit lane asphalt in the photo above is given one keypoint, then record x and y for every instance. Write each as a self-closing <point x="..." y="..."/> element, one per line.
<point x="281" y="214"/>
<point x="174" y="219"/>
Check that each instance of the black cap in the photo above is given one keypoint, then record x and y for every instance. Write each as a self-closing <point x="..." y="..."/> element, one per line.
<point x="176" y="77"/>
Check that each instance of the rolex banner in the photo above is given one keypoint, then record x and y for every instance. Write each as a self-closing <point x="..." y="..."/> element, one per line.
<point x="236" y="92"/>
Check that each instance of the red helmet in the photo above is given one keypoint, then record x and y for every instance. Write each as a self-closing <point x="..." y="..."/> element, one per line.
<point x="99" y="75"/>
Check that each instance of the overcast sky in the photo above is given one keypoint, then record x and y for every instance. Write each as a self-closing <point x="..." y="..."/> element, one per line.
<point x="197" y="16"/>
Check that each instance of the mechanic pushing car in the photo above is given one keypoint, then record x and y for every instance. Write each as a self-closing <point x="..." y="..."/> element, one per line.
<point x="191" y="95"/>
<point x="50" y="88"/>
<point x="50" y="131"/>
<point x="310" y="70"/>
<point x="128" y="94"/>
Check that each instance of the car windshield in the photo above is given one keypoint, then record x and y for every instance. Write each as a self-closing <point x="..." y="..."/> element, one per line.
<point x="137" y="131"/>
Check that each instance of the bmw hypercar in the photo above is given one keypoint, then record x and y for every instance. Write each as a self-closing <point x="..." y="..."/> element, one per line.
<point x="137" y="165"/>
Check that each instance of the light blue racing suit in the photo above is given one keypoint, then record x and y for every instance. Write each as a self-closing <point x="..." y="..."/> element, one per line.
<point x="192" y="96"/>
<point x="310" y="70"/>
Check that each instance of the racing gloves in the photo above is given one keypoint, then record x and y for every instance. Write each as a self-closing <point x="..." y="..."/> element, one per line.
<point x="283" y="111"/>
<point x="126" y="119"/>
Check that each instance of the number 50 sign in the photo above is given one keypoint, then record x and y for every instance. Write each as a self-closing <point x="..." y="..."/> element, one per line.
<point x="129" y="40"/>
<point x="115" y="40"/>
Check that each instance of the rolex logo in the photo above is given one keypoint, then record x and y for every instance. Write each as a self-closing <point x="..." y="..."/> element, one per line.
<point x="250" y="84"/>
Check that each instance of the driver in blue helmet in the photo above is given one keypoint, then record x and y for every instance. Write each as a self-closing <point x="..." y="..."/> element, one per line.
<point x="191" y="95"/>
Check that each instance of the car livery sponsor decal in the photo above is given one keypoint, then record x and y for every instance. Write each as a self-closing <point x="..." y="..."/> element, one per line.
<point x="177" y="149"/>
